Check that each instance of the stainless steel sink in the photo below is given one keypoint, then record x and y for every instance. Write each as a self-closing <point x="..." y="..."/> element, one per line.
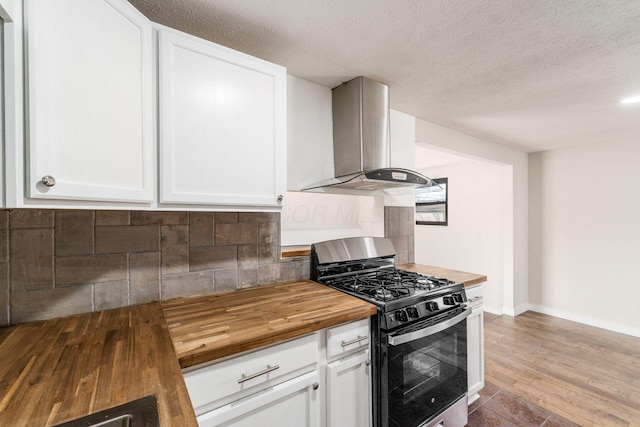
<point x="142" y="412"/>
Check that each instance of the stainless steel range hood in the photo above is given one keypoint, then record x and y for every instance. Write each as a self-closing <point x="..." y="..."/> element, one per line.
<point x="361" y="148"/>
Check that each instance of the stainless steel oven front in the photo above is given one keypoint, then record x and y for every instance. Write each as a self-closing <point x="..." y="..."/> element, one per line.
<point x="423" y="372"/>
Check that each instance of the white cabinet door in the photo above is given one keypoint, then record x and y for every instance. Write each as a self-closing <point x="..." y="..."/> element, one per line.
<point x="475" y="352"/>
<point x="349" y="391"/>
<point x="89" y="70"/>
<point x="222" y="125"/>
<point x="292" y="403"/>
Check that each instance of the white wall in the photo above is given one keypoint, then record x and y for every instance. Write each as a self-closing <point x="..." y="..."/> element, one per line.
<point x="472" y="241"/>
<point x="514" y="202"/>
<point x="585" y="234"/>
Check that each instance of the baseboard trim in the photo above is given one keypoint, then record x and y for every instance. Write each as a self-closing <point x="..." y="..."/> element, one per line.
<point x="585" y="320"/>
<point x="515" y="311"/>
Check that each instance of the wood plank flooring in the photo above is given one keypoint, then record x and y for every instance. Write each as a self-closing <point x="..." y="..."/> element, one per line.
<point x="587" y="375"/>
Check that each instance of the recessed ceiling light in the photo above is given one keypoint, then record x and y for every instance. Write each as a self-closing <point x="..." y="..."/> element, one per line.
<point x="630" y="100"/>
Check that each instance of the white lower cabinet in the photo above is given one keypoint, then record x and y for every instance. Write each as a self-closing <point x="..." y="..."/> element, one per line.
<point x="321" y="379"/>
<point x="293" y="403"/>
<point x="349" y="391"/>
<point x="348" y="375"/>
<point x="475" y="348"/>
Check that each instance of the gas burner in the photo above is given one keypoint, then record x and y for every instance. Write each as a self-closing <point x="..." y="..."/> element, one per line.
<point x="384" y="293"/>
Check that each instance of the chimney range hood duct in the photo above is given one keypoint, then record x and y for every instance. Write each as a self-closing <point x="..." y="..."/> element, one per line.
<point x="361" y="148"/>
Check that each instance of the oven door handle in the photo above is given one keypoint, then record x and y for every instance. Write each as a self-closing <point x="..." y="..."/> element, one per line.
<point x="412" y="336"/>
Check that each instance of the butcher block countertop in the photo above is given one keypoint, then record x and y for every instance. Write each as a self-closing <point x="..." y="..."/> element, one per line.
<point x="214" y="326"/>
<point x="467" y="279"/>
<point x="61" y="369"/>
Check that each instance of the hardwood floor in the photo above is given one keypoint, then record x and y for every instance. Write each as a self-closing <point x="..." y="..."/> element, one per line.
<point x="587" y="375"/>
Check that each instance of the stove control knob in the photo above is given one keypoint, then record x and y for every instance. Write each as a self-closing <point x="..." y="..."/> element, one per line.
<point x="401" y="316"/>
<point x="432" y="306"/>
<point x="412" y="312"/>
<point x="458" y="298"/>
<point x="448" y="300"/>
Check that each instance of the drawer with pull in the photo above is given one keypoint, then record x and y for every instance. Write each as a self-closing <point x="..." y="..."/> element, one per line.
<point x="347" y="339"/>
<point x="214" y="385"/>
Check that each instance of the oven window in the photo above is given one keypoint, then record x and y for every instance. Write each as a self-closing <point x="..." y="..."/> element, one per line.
<point x="426" y="376"/>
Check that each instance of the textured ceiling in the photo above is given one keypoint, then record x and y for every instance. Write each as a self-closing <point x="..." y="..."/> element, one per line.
<point x="531" y="74"/>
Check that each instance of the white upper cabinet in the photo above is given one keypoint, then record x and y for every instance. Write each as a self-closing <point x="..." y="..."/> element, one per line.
<point x="89" y="86"/>
<point x="222" y="126"/>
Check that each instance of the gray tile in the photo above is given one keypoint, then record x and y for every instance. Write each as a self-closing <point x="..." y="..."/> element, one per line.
<point x="4" y="294"/>
<point x="110" y="295"/>
<point x="175" y="249"/>
<point x="411" y="247"/>
<point x="516" y="410"/>
<point x="113" y="218"/>
<point x="391" y="221"/>
<point x="4" y="245"/>
<point x="261" y="217"/>
<point x="74" y="233"/>
<point x="82" y="270"/>
<point x="159" y="218"/>
<point x="247" y="256"/>
<point x="292" y="270"/>
<point x="200" y="229"/>
<point x="242" y="233"/>
<point x="247" y="277"/>
<point x="50" y="303"/>
<point x="187" y="284"/>
<point x="31" y="265"/>
<point x="225" y="217"/>
<point x="401" y="245"/>
<point x="144" y="277"/>
<point x="127" y="238"/>
<point x="210" y="257"/>
<point x="4" y="218"/>
<point x="31" y="218"/>
<point x="225" y="279"/>
<point x="483" y="417"/>
<point x="268" y="243"/>
<point x="269" y="274"/>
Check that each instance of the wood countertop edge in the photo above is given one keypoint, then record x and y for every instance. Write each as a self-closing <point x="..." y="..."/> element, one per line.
<point x="201" y="356"/>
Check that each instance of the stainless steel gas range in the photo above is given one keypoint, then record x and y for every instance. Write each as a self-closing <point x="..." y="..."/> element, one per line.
<point x="419" y="345"/>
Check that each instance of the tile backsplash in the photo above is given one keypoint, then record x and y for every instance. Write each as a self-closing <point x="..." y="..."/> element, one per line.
<point x="399" y="227"/>
<point x="61" y="262"/>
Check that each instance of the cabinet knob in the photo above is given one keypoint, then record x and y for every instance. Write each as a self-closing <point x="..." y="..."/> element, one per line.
<point x="48" y="181"/>
<point x="280" y="198"/>
<point x="315" y="386"/>
<point x="368" y="362"/>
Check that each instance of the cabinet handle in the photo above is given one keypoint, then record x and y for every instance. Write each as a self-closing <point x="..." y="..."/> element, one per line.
<point x="368" y="362"/>
<point x="257" y="374"/>
<point x="353" y="341"/>
<point x="48" y="181"/>
<point x="280" y="198"/>
<point x="315" y="386"/>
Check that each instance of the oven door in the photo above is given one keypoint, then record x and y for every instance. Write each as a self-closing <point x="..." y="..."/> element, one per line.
<point x="424" y="369"/>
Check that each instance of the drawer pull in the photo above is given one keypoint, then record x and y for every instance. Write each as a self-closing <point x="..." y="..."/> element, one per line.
<point x="257" y="374"/>
<point x="354" y="341"/>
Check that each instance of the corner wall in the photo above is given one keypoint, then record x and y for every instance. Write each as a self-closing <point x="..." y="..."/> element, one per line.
<point x="585" y="234"/>
<point x="473" y="239"/>
<point x="515" y="208"/>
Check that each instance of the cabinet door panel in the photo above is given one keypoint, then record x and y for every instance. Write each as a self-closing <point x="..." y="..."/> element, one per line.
<point x="89" y="75"/>
<point x="349" y="391"/>
<point x="293" y="403"/>
<point x="222" y="125"/>
<point x="475" y="352"/>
